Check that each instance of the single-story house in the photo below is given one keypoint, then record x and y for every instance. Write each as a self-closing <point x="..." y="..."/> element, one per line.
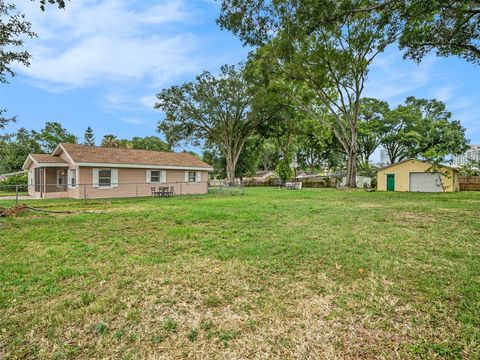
<point x="417" y="176"/>
<point x="79" y="171"/>
<point x="263" y="176"/>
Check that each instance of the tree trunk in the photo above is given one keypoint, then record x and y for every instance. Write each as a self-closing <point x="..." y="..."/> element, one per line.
<point x="230" y="170"/>
<point x="351" y="180"/>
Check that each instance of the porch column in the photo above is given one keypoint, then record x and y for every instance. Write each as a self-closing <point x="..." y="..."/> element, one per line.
<point x="44" y="182"/>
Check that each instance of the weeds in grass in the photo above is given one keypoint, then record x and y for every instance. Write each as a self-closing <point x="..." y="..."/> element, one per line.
<point x="101" y="328"/>
<point x="170" y="325"/>
<point x="309" y="274"/>
<point x="192" y="335"/>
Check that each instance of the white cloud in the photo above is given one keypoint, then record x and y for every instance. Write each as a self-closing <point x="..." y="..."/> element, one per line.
<point x="94" y="41"/>
<point x="390" y="78"/>
<point x="148" y="101"/>
<point x="134" y="120"/>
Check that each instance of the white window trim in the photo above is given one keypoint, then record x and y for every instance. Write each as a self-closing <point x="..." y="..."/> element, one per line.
<point x="188" y="176"/>
<point x="162" y="179"/>
<point x="111" y="180"/>
<point x="113" y="175"/>
<point x="70" y="177"/>
<point x="58" y="178"/>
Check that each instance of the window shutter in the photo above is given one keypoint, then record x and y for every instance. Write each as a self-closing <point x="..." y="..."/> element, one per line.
<point x="163" y="176"/>
<point x="30" y="177"/>
<point x="198" y="177"/>
<point x="186" y="176"/>
<point x="149" y="176"/>
<point x="114" y="178"/>
<point x="95" y="178"/>
<point x="69" y="175"/>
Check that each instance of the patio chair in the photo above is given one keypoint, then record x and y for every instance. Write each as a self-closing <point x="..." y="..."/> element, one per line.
<point x="172" y="191"/>
<point x="153" y="190"/>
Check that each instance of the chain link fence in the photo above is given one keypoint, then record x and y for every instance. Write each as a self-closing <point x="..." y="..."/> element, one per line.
<point x="90" y="191"/>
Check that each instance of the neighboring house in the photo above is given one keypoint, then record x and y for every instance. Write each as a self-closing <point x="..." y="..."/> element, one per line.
<point x="303" y="174"/>
<point x="472" y="154"/>
<point x="262" y="176"/>
<point x="18" y="173"/>
<point x="79" y="171"/>
<point x="417" y="176"/>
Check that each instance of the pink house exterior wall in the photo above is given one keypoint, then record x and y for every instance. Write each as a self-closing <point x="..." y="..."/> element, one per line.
<point x="133" y="182"/>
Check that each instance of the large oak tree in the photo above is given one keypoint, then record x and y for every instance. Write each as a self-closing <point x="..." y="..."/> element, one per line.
<point x="213" y="108"/>
<point x="323" y="47"/>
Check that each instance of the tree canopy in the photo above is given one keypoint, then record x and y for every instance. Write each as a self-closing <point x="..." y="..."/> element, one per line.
<point x="52" y="134"/>
<point x="324" y="50"/>
<point x="213" y="109"/>
<point x="422" y="128"/>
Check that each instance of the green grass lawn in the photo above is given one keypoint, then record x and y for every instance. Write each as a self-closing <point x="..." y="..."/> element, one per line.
<point x="304" y="274"/>
<point x="11" y="193"/>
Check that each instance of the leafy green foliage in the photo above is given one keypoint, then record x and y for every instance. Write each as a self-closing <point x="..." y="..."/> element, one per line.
<point x="15" y="148"/>
<point x="150" y="143"/>
<point x="446" y="27"/>
<point x="323" y="50"/>
<point x="422" y="128"/>
<point x="52" y="134"/>
<point x="13" y="31"/>
<point x="471" y="168"/>
<point x="110" y="141"/>
<point x="371" y="127"/>
<point x="213" y="109"/>
<point x="284" y="170"/>
<point x="9" y="183"/>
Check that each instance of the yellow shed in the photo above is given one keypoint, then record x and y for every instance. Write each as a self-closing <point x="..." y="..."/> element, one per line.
<point x="417" y="176"/>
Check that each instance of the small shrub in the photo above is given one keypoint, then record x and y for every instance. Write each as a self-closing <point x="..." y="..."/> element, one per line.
<point x="9" y="183"/>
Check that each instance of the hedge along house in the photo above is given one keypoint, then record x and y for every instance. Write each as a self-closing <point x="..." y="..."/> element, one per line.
<point x="79" y="171"/>
<point x="417" y="176"/>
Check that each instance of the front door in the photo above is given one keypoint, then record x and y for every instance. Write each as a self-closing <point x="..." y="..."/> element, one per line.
<point x="390" y="182"/>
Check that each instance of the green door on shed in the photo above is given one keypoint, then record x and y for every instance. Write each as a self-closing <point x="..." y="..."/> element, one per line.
<point x="390" y="182"/>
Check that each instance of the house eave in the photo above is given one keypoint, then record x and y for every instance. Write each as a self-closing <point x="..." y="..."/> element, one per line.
<point x="142" y="166"/>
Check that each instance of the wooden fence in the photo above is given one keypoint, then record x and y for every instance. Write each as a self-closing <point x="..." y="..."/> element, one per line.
<point x="469" y="183"/>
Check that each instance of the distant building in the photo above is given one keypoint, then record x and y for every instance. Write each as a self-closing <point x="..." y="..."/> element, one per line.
<point x="384" y="159"/>
<point x="473" y="153"/>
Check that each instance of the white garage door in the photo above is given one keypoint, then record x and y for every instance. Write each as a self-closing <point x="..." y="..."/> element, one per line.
<point x="425" y="182"/>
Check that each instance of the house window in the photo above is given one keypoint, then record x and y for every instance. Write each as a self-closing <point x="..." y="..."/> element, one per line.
<point x="192" y="176"/>
<point x="155" y="176"/>
<point x="104" y="178"/>
<point x="73" y="177"/>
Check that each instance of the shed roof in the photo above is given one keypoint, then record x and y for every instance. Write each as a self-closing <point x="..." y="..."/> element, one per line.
<point x="423" y="161"/>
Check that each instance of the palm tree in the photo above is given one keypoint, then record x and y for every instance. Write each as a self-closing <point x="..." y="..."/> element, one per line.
<point x="110" y="141"/>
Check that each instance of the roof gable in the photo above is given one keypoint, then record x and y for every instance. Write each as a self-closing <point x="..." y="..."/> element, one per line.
<point x="417" y="160"/>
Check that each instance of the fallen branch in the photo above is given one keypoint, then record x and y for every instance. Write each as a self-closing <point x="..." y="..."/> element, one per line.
<point x="18" y="209"/>
<point x="62" y="211"/>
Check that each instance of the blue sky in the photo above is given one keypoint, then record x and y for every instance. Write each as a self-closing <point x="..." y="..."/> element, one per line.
<point x="101" y="62"/>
